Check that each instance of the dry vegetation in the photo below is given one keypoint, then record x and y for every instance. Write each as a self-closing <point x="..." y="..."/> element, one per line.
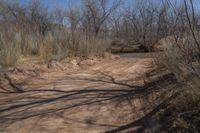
<point x="181" y="57"/>
<point x="168" y="28"/>
<point x="33" y="31"/>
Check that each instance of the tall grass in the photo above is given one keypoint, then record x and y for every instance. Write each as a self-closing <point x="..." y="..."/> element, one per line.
<point x="55" y="44"/>
<point x="9" y="47"/>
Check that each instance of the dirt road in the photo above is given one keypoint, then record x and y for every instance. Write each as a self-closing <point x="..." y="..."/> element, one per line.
<point x="91" y="100"/>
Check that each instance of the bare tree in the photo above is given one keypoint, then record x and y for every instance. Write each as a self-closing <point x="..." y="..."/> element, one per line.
<point x="74" y="18"/>
<point x="144" y="24"/>
<point x="38" y="16"/>
<point x="96" y="13"/>
<point x="192" y="21"/>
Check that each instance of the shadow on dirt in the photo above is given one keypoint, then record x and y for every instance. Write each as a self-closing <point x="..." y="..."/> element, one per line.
<point x="18" y="106"/>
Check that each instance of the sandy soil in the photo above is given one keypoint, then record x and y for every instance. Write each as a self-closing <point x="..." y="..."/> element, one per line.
<point x="95" y="99"/>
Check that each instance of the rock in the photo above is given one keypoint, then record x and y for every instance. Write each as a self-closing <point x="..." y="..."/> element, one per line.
<point x="74" y="62"/>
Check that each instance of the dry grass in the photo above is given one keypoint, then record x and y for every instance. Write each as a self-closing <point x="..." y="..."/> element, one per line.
<point x="92" y="47"/>
<point x="9" y="56"/>
<point x="57" y="44"/>
<point x="9" y="48"/>
<point x="181" y="57"/>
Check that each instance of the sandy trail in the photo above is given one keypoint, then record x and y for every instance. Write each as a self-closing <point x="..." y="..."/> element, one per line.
<point x="92" y="100"/>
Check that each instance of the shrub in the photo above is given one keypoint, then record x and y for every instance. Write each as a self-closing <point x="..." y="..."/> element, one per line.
<point x="181" y="56"/>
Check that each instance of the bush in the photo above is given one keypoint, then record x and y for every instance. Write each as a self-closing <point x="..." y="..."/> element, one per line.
<point x="180" y="56"/>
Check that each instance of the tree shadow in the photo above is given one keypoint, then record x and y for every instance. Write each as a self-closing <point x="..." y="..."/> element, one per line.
<point x="18" y="106"/>
<point x="146" y="122"/>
